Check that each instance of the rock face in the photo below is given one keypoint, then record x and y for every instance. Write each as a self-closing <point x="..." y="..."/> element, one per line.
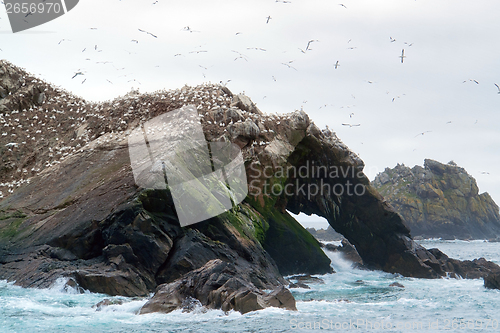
<point x="217" y="285"/>
<point x="70" y="207"/>
<point x="348" y="252"/>
<point x="73" y="209"/>
<point x="467" y="269"/>
<point x="440" y="200"/>
<point x="492" y="281"/>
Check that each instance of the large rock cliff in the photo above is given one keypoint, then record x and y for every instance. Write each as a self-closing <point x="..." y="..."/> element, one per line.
<point x="440" y="200"/>
<point x="70" y="206"/>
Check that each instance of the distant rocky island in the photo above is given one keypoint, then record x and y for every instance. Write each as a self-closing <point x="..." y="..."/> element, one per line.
<point x="440" y="200"/>
<point x="327" y="234"/>
<point x="70" y="208"/>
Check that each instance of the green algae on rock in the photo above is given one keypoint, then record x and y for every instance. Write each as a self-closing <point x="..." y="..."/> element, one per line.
<point x="440" y="200"/>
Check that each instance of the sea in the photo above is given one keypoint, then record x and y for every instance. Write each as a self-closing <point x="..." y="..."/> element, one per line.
<point x="351" y="300"/>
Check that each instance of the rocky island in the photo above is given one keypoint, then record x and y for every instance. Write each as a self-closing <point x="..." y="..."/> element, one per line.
<point x="440" y="200"/>
<point x="70" y="207"/>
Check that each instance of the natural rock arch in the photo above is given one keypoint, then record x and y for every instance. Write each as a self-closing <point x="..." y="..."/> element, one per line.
<point x="380" y="235"/>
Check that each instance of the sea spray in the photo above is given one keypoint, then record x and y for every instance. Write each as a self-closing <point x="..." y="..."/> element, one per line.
<point x="349" y="296"/>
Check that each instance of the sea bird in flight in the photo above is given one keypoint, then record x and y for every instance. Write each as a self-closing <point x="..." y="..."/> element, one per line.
<point x="402" y="56"/>
<point x="309" y="43"/>
<point x="241" y="56"/>
<point x="422" y="133"/>
<point x="351" y="125"/>
<point x="496" y="85"/>
<point x="287" y="65"/>
<point x="148" y="33"/>
<point x="76" y="74"/>
<point x="187" y="28"/>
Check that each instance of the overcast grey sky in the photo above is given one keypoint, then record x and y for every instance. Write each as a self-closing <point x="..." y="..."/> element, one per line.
<point x="446" y="42"/>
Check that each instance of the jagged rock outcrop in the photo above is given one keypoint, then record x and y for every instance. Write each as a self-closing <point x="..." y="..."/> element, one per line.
<point x="327" y="234"/>
<point x="492" y="281"/>
<point x="71" y="208"/>
<point x="348" y="252"/>
<point x="74" y="210"/>
<point x="440" y="200"/>
<point x="217" y="285"/>
<point x="466" y="269"/>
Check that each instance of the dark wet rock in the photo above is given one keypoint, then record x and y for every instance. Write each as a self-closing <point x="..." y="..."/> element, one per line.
<point x="307" y="279"/>
<point x="492" y="281"/>
<point x="217" y="285"/>
<point x="192" y="305"/>
<point x="473" y="269"/>
<point x="61" y="254"/>
<point x="348" y="251"/>
<point x="70" y="286"/>
<point x="467" y="269"/>
<point x="107" y="302"/>
<point x="298" y="285"/>
<point x="440" y="200"/>
<point x="281" y="297"/>
<point x="330" y="247"/>
<point x="192" y="251"/>
<point x="126" y="281"/>
<point x="396" y="284"/>
<point x="113" y="251"/>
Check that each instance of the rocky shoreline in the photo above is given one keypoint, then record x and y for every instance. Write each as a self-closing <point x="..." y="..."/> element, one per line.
<point x="77" y="213"/>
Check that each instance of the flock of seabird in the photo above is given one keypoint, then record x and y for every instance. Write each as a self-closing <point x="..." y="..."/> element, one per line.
<point x="64" y="125"/>
<point x="36" y="137"/>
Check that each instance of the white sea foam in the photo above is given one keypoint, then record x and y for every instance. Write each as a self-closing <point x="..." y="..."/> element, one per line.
<point x="61" y="286"/>
<point x="350" y="294"/>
